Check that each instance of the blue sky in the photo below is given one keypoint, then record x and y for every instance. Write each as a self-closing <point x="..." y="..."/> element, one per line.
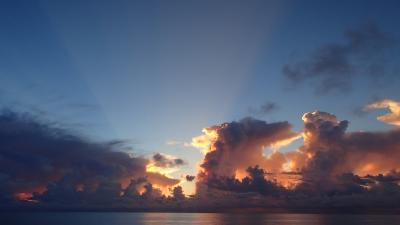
<point x="155" y="71"/>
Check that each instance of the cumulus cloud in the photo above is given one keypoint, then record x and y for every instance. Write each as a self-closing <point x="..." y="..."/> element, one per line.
<point x="393" y="117"/>
<point x="50" y="168"/>
<point x="333" y="66"/>
<point x="333" y="166"/>
<point x="331" y="151"/>
<point x="57" y="164"/>
<point x="230" y="147"/>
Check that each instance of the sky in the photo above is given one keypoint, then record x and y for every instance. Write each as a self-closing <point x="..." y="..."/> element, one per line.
<point x="153" y="74"/>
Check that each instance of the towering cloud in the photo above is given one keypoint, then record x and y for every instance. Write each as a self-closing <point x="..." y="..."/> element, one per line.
<point x="322" y="136"/>
<point x="232" y="147"/>
<point x="332" y="164"/>
<point x="334" y="151"/>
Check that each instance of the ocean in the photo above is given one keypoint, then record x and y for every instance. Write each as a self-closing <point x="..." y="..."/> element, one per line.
<point x="129" y="218"/>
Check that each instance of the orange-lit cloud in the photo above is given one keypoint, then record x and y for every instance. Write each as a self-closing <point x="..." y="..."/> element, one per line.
<point x="393" y="116"/>
<point x="230" y="148"/>
<point x="331" y="161"/>
<point x="204" y="142"/>
<point x="320" y="164"/>
<point x="164" y="164"/>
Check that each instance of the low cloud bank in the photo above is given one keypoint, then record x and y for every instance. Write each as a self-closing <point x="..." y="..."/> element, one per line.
<point x="43" y="164"/>
<point x="43" y="167"/>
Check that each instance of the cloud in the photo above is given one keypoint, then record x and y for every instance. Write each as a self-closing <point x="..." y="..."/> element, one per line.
<point x="393" y="117"/>
<point x="180" y="144"/>
<point x="255" y="182"/>
<point x="332" y="151"/>
<point x="231" y="147"/>
<point x="173" y="142"/>
<point x="42" y="167"/>
<point x="332" y="67"/>
<point x="166" y="161"/>
<point x="164" y="164"/>
<point x="161" y="180"/>
<point x="190" y="178"/>
<point x="332" y="167"/>
<point x="60" y="165"/>
<point x="359" y="111"/>
<point x="265" y="109"/>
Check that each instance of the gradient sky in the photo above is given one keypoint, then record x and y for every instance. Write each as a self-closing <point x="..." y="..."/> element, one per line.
<point x="153" y="72"/>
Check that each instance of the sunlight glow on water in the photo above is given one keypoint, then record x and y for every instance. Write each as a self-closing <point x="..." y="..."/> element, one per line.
<point x="88" y="218"/>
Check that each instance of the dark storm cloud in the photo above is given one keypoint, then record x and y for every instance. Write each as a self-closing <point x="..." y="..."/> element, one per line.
<point x="35" y="156"/>
<point x="333" y="66"/>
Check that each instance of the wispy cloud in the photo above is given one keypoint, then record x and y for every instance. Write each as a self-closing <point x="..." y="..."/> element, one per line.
<point x="265" y="109"/>
<point x="332" y="66"/>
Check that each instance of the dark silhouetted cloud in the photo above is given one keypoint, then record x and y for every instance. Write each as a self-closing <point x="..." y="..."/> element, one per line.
<point x="332" y="66"/>
<point x="255" y="182"/>
<point x="162" y="160"/>
<point x="190" y="178"/>
<point x="60" y="166"/>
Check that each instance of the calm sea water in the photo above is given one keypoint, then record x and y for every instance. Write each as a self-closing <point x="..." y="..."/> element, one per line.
<point x="84" y="218"/>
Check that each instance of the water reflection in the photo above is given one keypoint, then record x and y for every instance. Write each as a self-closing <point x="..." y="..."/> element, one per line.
<point x="270" y="219"/>
<point x="194" y="219"/>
